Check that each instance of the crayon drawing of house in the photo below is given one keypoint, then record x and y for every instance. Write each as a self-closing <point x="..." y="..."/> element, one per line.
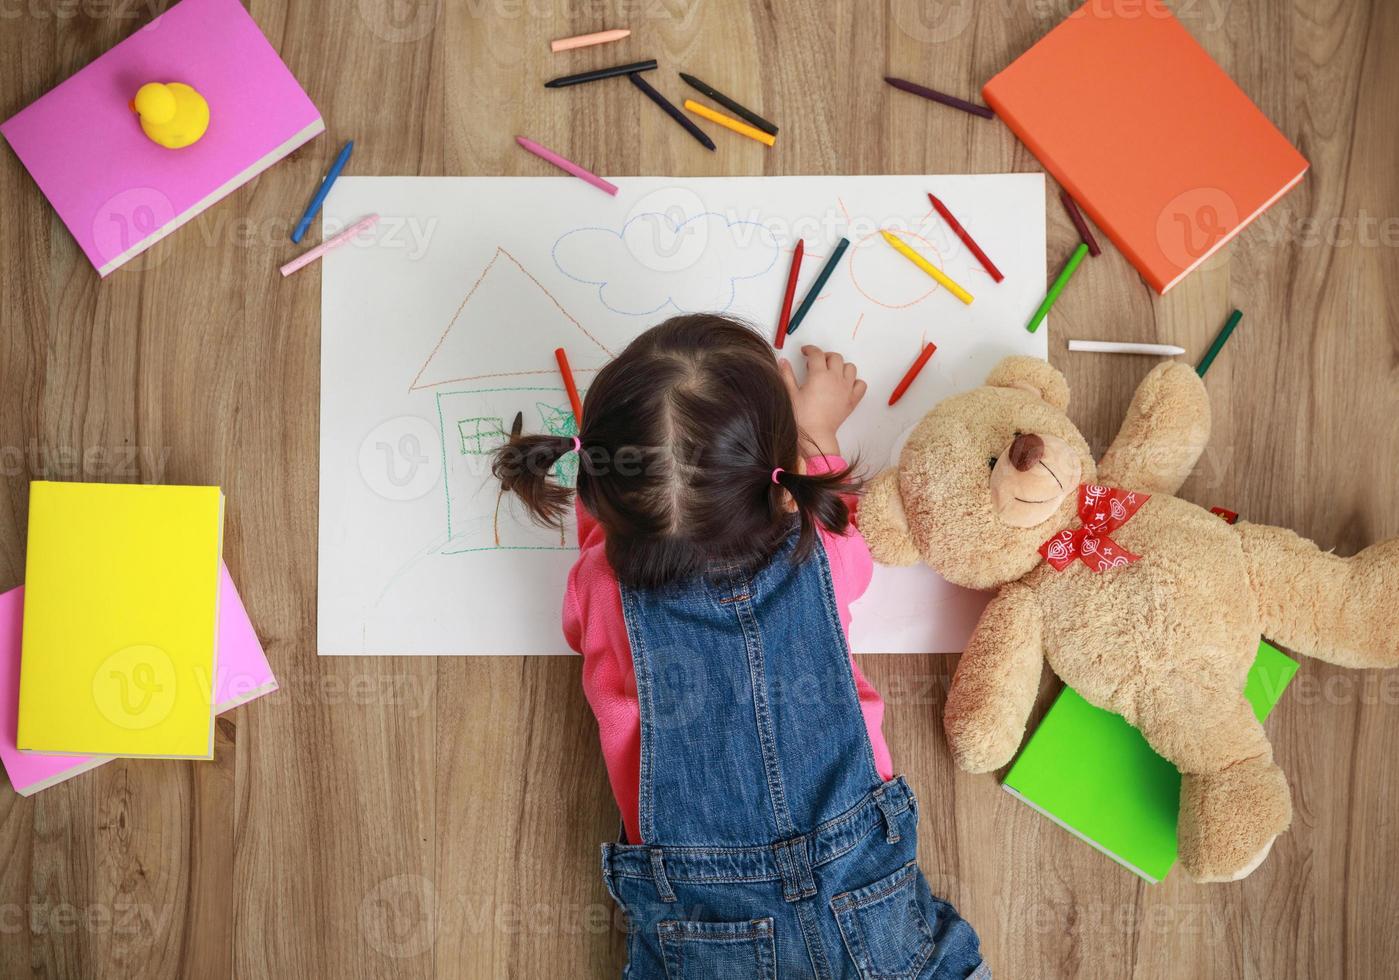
<point x="493" y="360"/>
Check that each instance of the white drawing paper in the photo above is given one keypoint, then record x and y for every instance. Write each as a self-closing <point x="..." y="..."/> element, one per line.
<point x="439" y="325"/>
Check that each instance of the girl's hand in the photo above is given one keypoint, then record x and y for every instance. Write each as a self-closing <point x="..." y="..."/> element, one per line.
<point x="830" y="393"/>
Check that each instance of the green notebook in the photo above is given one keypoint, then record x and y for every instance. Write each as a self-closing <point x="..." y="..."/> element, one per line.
<point x="1094" y="775"/>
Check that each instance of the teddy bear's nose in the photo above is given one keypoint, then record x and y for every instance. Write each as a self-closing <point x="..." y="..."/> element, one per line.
<point x="1026" y="451"/>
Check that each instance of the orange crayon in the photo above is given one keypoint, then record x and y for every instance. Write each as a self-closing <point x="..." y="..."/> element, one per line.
<point x="902" y="386"/>
<point x="570" y="387"/>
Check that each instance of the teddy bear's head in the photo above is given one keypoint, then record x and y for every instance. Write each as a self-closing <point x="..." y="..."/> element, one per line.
<point x="985" y="479"/>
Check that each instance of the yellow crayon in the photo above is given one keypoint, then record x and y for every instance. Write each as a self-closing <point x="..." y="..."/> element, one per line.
<point x="927" y="267"/>
<point x="743" y="129"/>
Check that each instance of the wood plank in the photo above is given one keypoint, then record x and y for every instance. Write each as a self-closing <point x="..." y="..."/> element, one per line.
<point x="384" y="817"/>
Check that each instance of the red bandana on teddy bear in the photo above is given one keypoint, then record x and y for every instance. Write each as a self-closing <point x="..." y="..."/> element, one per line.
<point x="1101" y="509"/>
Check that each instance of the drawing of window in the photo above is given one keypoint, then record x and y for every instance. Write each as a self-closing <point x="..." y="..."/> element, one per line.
<point x="480" y="436"/>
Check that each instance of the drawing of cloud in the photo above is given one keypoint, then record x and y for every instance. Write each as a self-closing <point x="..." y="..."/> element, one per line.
<point x="658" y="260"/>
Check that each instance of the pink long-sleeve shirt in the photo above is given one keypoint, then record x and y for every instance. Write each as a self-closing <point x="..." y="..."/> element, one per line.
<point x="594" y="626"/>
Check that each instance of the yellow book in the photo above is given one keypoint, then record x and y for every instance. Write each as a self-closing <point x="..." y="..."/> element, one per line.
<point x="120" y="620"/>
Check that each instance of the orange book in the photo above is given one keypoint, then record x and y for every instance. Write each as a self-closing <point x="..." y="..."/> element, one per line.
<point x="1156" y="143"/>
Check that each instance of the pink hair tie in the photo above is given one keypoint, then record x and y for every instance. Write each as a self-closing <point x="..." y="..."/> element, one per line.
<point x="776" y="473"/>
<point x="577" y="445"/>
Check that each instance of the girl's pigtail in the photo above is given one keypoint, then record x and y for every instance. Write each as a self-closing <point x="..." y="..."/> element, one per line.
<point x="524" y="466"/>
<point x="821" y="500"/>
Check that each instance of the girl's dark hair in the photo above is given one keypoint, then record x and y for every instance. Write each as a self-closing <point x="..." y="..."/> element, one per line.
<point x="680" y="437"/>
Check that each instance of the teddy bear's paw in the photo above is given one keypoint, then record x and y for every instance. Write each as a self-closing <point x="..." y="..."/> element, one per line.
<point x="883" y="524"/>
<point x="1371" y="612"/>
<point x="977" y="745"/>
<point x="1229" y="819"/>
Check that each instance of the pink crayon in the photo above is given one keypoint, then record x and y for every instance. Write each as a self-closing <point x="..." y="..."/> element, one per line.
<point x="544" y="153"/>
<point x="584" y="40"/>
<point x="307" y="258"/>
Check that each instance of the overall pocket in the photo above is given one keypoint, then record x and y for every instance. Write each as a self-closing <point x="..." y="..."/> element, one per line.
<point x="889" y="927"/>
<point x="718" y="950"/>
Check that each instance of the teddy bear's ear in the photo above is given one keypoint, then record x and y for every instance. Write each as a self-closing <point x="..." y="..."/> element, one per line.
<point x="1032" y="375"/>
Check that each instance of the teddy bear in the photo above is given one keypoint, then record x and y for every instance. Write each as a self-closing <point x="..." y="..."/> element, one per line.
<point x="1147" y="605"/>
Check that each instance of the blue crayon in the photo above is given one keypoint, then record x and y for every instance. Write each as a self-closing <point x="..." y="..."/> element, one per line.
<point x="321" y="192"/>
<point x="816" y="286"/>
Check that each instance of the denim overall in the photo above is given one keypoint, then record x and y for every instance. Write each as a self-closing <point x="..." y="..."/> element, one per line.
<point x="772" y="848"/>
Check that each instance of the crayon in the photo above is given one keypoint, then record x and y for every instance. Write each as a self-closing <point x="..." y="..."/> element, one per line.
<point x="816" y="286"/>
<point x="743" y="129"/>
<point x="585" y="40"/>
<point x="936" y="96"/>
<point x="306" y="258"/>
<point x="1215" y="347"/>
<point x="913" y="372"/>
<point x="671" y="111"/>
<point x="1076" y="216"/>
<point x="786" y="314"/>
<point x="728" y="103"/>
<point x="322" y="190"/>
<point x="570" y="387"/>
<point x="966" y="238"/>
<point x="544" y="153"/>
<point x="1058" y="287"/>
<point x="597" y="73"/>
<point x="927" y="267"/>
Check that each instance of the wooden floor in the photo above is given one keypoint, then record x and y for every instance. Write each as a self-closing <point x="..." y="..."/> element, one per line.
<point x="413" y="818"/>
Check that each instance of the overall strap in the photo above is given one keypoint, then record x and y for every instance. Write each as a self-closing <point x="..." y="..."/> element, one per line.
<point x="751" y="728"/>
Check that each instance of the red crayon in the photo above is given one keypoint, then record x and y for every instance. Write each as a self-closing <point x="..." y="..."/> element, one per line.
<point x="902" y="386"/>
<point x="972" y="246"/>
<point x="791" y="292"/>
<point x="572" y="388"/>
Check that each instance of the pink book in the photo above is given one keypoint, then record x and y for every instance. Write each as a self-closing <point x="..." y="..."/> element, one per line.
<point x="118" y="192"/>
<point x="241" y="676"/>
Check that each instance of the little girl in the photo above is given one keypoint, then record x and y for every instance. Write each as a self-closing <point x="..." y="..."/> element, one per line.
<point x="765" y="834"/>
